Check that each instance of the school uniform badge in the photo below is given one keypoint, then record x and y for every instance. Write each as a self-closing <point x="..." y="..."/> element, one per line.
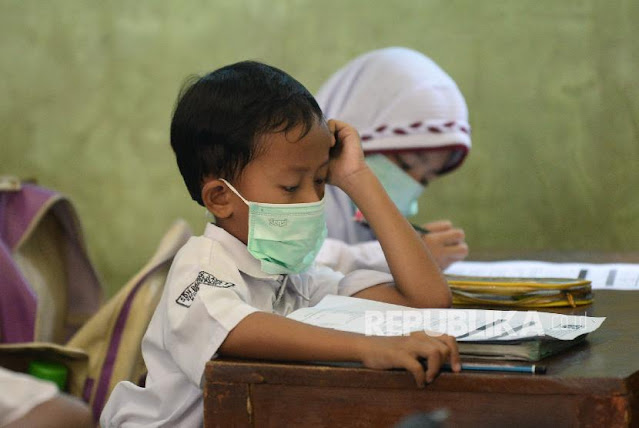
<point x="187" y="297"/>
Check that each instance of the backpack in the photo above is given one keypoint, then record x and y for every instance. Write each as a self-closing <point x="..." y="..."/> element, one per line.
<point x="48" y="285"/>
<point x="107" y="349"/>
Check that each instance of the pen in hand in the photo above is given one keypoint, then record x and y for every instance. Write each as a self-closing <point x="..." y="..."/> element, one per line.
<point x="420" y="229"/>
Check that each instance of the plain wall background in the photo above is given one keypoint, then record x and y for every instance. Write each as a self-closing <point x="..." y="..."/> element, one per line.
<point x="88" y="88"/>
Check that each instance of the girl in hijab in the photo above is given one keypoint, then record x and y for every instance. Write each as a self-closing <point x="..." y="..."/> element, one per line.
<point x="413" y="123"/>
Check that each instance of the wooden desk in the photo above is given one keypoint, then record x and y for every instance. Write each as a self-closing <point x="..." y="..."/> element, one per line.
<point x="594" y="384"/>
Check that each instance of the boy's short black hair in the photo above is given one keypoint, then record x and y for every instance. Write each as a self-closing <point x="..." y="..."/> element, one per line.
<point x="219" y="117"/>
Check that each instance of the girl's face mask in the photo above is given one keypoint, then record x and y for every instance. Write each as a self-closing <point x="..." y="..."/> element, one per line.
<point x="403" y="189"/>
<point x="285" y="238"/>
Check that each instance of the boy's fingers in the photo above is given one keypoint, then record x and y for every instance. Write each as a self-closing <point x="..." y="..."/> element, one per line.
<point x="436" y="352"/>
<point x="338" y="124"/>
<point x="344" y="130"/>
<point x="438" y="344"/>
<point x="331" y="125"/>
<point x="451" y="343"/>
<point x="331" y="129"/>
<point x="416" y="368"/>
<point x="435" y="361"/>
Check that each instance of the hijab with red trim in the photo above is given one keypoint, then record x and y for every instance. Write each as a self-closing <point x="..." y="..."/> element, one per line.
<point x="399" y="100"/>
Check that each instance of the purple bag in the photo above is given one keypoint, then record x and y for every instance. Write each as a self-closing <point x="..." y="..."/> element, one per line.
<point x="48" y="286"/>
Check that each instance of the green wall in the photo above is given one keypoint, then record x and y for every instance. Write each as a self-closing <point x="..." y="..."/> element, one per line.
<point x="88" y="87"/>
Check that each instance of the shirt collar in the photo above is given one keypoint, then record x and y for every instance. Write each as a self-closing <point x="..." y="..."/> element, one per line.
<point x="244" y="261"/>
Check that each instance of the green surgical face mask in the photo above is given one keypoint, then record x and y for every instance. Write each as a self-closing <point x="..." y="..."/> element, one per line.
<point x="285" y="238"/>
<point x="403" y="189"/>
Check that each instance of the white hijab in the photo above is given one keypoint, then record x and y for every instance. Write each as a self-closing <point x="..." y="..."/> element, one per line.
<point x="399" y="99"/>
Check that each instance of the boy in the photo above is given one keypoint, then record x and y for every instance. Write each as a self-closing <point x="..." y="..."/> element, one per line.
<point x="253" y="148"/>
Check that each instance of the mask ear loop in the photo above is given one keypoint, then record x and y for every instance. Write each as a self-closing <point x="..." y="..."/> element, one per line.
<point x="234" y="191"/>
<point x="208" y="215"/>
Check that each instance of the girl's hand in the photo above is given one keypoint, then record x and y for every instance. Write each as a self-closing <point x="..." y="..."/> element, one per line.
<point x="446" y="243"/>
<point x="347" y="157"/>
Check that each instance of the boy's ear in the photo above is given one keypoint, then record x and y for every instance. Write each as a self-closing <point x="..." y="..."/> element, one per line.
<point x="216" y="198"/>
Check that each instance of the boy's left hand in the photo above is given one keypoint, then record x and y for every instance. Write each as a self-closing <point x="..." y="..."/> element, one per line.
<point x="347" y="157"/>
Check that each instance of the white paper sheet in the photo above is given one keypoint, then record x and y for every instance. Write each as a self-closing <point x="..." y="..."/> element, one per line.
<point x="619" y="276"/>
<point x="383" y="319"/>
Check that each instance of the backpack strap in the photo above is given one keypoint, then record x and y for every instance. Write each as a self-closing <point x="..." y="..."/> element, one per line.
<point x="113" y="335"/>
<point x="17" y="302"/>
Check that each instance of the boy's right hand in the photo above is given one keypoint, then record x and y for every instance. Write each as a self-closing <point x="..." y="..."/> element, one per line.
<point x="381" y="352"/>
<point x="347" y="160"/>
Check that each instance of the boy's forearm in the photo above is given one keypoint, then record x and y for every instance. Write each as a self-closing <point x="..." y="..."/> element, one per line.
<point x="417" y="276"/>
<point x="263" y="335"/>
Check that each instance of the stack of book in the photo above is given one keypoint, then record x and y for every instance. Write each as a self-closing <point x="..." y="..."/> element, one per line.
<point x="480" y="333"/>
<point x="519" y="292"/>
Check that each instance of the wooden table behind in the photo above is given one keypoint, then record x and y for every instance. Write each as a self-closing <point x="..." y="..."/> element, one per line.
<point x="594" y="384"/>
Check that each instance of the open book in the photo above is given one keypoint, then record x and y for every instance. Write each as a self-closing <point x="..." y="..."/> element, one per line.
<point x="508" y="335"/>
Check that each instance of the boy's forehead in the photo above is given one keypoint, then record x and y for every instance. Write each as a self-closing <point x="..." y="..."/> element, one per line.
<point x="293" y="134"/>
<point x="299" y="140"/>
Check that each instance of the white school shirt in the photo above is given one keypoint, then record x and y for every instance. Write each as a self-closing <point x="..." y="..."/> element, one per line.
<point x="213" y="283"/>
<point x="20" y="392"/>
<point x="349" y="245"/>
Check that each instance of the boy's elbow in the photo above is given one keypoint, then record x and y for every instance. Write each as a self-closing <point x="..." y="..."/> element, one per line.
<point x="445" y="301"/>
<point x="445" y="298"/>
